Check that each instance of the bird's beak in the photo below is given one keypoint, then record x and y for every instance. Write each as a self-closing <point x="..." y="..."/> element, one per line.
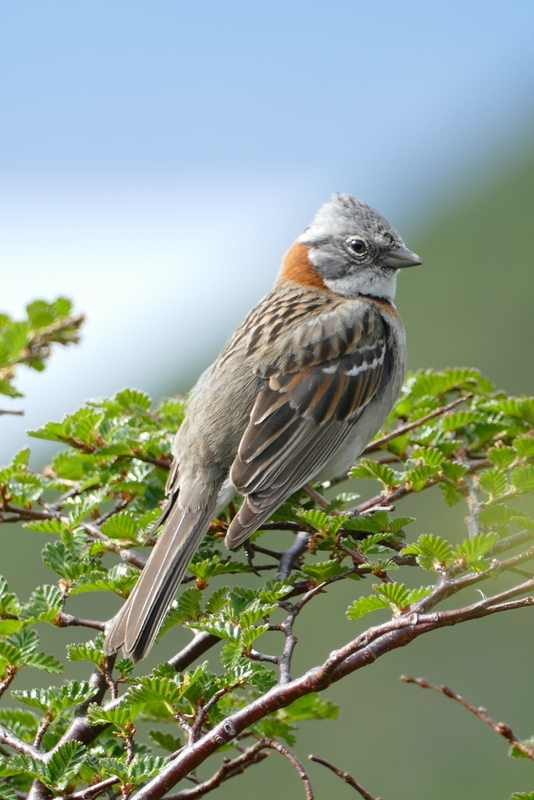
<point x="401" y="257"/>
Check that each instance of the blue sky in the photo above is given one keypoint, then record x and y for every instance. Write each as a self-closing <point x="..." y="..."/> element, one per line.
<point x="156" y="154"/>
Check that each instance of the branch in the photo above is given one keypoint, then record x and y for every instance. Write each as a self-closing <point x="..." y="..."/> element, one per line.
<point x="345" y="776"/>
<point x="199" y="644"/>
<point x="6" y="737"/>
<point x="402" y="429"/>
<point x="502" y="728"/>
<point x="294" y="761"/>
<point x="360" y="652"/>
<point x="92" y="791"/>
<point x="236" y="766"/>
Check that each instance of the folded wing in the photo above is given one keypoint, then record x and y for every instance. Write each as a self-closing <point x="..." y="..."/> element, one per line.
<point x="303" y="413"/>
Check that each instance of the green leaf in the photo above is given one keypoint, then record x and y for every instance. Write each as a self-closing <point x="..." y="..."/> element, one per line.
<point x="433" y="553"/>
<point x="316" y="518"/>
<point x="121" y="716"/>
<point x="472" y="550"/>
<point x="524" y="446"/>
<point x="497" y="515"/>
<point x="133" y="398"/>
<point x="63" y="765"/>
<point x="502" y="457"/>
<point x="44" y="604"/>
<point x="364" y="605"/>
<point x="7" y="792"/>
<point x="374" y="469"/>
<point x="418" y="477"/>
<point x="218" y="600"/>
<point x="321" y="571"/>
<point x="139" y="769"/>
<point x="453" y="470"/>
<point x="450" y="493"/>
<point x="494" y="483"/>
<point x="523" y="478"/>
<point x="123" y="525"/>
<point x="396" y="595"/>
<point x="452" y="422"/>
<point x="310" y="706"/>
<point x="430" y="456"/>
<point x="378" y="522"/>
<point x="90" y="651"/>
<point x="56" y="699"/>
<point x="166" y="741"/>
<point x="190" y="604"/>
<point x="515" y="752"/>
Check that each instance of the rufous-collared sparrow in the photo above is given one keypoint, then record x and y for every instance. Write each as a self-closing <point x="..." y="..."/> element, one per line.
<point x="301" y="387"/>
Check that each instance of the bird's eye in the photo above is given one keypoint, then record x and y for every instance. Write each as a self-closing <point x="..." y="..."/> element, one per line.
<point x="357" y="246"/>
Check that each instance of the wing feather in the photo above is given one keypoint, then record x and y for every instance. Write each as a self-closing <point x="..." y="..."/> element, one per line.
<point x="302" y="414"/>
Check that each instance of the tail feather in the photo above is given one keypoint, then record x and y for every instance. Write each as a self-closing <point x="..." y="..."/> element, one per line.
<point x="136" y="625"/>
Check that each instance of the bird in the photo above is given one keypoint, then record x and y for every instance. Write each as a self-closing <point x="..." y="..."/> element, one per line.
<point x="298" y="391"/>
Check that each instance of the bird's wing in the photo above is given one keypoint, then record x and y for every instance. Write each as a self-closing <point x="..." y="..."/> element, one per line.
<point x="305" y="410"/>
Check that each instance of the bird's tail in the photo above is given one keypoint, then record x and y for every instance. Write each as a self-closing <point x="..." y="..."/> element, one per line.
<point x="136" y="625"/>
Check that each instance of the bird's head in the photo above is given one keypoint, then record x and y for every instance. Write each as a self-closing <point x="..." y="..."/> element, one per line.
<point x="354" y="250"/>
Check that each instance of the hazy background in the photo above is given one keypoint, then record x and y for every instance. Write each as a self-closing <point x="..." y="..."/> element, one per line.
<point x="156" y="159"/>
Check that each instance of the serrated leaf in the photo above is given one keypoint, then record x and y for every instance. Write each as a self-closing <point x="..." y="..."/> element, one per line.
<point x="255" y="612"/>
<point x="396" y="595"/>
<point x="190" y="604"/>
<point x="524" y="445"/>
<point x="123" y="525"/>
<point x="44" y="604"/>
<point x="217" y="600"/>
<point x="453" y="470"/>
<point x="364" y="605"/>
<point x="502" y="457"/>
<point x="472" y="550"/>
<point x="497" y="515"/>
<point x="374" y="469"/>
<point x="316" y="518"/>
<point x="432" y="552"/>
<point x="56" y="699"/>
<point x="132" y="398"/>
<point x="321" y="571"/>
<point x="64" y="763"/>
<point x="429" y="456"/>
<point x="122" y="716"/>
<point x="139" y="769"/>
<point x="494" y="483"/>
<point x="166" y="741"/>
<point x="90" y="651"/>
<point x="450" y="493"/>
<point x="523" y="478"/>
<point x="7" y="792"/>
<point x="372" y="523"/>
<point x="46" y="526"/>
<point x="310" y="706"/>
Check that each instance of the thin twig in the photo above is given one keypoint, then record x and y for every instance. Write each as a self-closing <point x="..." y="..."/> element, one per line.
<point x="15" y="412"/>
<point x="203" y="712"/>
<point x="402" y="429"/>
<point x="63" y="620"/>
<point x="92" y="791"/>
<point x="502" y="728"/>
<point x="252" y="755"/>
<point x="294" y="761"/>
<point x="6" y="737"/>
<point x="321" y="501"/>
<point x="345" y="776"/>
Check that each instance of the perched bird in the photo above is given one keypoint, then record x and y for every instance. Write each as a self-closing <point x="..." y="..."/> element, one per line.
<point x="301" y="387"/>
